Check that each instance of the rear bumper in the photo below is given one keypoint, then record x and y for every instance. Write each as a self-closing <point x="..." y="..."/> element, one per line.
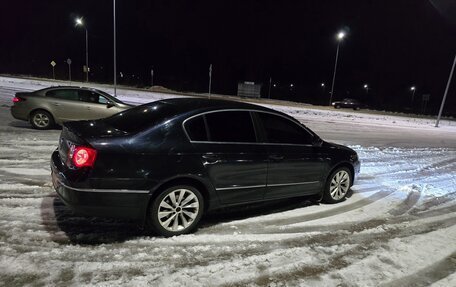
<point x="19" y="113"/>
<point x="123" y="203"/>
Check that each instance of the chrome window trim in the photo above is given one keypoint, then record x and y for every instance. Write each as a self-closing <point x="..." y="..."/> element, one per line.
<point x="243" y="110"/>
<point x="102" y="190"/>
<point x="240" y="187"/>
<point x="295" y="183"/>
<point x="266" y="185"/>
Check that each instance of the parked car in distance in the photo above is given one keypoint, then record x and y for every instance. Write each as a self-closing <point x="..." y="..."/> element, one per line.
<point x="348" y="103"/>
<point x="56" y="105"/>
<point x="168" y="162"/>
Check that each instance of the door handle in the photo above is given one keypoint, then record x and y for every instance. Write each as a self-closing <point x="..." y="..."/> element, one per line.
<point x="210" y="158"/>
<point x="56" y="104"/>
<point x="276" y="157"/>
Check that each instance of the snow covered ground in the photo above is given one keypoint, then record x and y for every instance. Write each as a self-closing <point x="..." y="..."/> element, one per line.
<point x="397" y="228"/>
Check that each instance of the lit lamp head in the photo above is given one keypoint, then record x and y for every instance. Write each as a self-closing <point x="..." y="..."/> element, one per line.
<point x="366" y="86"/>
<point x="79" y="22"/>
<point x="340" y="36"/>
<point x="412" y="88"/>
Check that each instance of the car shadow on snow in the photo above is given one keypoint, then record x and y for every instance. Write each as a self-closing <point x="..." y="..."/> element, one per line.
<point x="28" y="126"/>
<point x="66" y="227"/>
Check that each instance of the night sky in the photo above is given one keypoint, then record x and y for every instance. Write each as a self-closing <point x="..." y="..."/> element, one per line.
<point x="391" y="45"/>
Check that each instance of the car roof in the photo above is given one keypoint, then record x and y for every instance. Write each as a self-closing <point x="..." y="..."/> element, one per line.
<point x="67" y="87"/>
<point x="197" y="105"/>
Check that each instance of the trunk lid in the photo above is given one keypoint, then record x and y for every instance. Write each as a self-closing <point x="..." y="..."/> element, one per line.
<point x="82" y="133"/>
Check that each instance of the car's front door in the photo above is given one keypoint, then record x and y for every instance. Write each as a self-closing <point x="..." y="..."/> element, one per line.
<point x="234" y="162"/>
<point x="296" y="166"/>
<point x="96" y="105"/>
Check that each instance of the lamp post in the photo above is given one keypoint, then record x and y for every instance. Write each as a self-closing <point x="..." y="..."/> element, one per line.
<point x="323" y="88"/>
<point x="366" y="86"/>
<point x="79" y="22"/>
<point x="340" y="36"/>
<point x="413" y="89"/>
<point x="114" y="44"/>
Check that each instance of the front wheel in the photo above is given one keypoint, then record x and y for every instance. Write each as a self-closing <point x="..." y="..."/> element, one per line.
<point x="337" y="186"/>
<point x="177" y="210"/>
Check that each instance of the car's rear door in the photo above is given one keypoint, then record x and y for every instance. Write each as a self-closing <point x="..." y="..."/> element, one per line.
<point x="233" y="160"/>
<point x="65" y="104"/>
<point x="295" y="166"/>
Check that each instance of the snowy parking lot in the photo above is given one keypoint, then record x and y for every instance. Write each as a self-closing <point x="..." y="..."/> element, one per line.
<point x="397" y="228"/>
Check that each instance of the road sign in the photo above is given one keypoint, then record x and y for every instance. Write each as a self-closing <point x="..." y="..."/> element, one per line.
<point x="68" y="61"/>
<point x="53" y="63"/>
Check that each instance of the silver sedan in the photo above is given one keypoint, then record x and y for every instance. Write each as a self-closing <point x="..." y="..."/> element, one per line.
<point x="55" y="105"/>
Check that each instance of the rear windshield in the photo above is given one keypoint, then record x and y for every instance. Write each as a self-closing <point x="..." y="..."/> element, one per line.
<point x="142" y="117"/>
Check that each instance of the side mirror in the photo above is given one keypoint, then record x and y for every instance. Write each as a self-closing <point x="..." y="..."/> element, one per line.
<point x="110" y="104"/>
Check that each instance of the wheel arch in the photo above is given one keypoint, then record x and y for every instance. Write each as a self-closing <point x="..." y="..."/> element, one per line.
<point x="41" y="109"/>
<point x="343" y="164"/>
<point x="204" y="188"/>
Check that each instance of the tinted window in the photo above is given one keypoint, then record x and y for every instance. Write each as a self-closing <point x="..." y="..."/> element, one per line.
<point x="141" y="117"/>
<point x="71" y="95"/>
<point x="230" y="127"/>
<point x="282" y="130"/>
<point x="196" y="129"/>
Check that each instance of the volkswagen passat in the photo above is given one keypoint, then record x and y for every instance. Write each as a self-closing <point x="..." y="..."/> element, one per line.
<point x="168" y="162"/>
<point x="55" y="105"/>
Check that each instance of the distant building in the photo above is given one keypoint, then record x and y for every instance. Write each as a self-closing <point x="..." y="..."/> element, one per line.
<point x="249" y="90"/>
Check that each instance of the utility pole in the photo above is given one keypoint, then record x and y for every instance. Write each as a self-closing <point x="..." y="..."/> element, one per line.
<point x="270" y="83"/>
<point x="210" y="80"/>
<point x="446" y="93"/>
<point x="151" y="77"/>
<point x="115" y="63"/>
<point x="68" y="61"/>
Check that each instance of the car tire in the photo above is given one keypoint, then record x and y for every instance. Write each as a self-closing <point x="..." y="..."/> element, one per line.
<point x="337" y="106"/>
<point x="356" y="108"/>
<point x="337" y="185"/>
<point x="41" y="120"/>
<point x="177" y="210"/>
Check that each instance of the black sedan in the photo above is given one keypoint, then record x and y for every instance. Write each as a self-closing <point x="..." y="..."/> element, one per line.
<point x="348" y="103"/>
<point x="168" y="162"/>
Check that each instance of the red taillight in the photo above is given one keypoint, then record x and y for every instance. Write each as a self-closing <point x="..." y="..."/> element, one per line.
<point x="18" y="99"/>
<point x="82" y="156"/>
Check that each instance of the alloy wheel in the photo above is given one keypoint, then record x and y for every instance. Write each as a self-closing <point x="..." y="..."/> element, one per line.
<point x="340" y="184"/>
<point x="41" y="120"/>
<point x="178" y="210"/>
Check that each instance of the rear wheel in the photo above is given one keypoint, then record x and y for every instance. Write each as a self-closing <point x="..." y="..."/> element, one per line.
<point x="41" y="120"/>
<point x="337" y="186"/>
<point x="337" y="106"/>
<point x="177" y="210"/>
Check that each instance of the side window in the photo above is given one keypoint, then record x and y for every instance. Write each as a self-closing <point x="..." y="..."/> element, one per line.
<point x="282" y="130"/>
<point x="196" y="129"/>
<point x="90" y="97"/>
<point x="102" y="100"/>
<point x="230" y="126"/>
<point x="70" y="95"/>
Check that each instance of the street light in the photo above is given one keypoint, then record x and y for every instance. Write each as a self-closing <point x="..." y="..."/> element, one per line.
<point x="79" y="22"/>
<point x="413" y="89"/>
<point x="340" y="37"/>
<point x="366" y="86"/>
